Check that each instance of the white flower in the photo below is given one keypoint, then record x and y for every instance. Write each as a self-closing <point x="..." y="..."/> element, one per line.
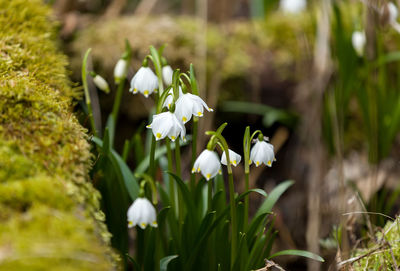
<point x="166" y="124"/>
<point x="393" y="12"/>
<point x="144" y="81"/>
<point x="188" y="105"/>
<point x="101" y="83"/>
<point x="233" y="157"/>
<point x="208" y="164"/>
<point x="293" y="6"/>
<point x="170" y="98"/>
<point x="167" y="73"/>
<point x="358" y="40"/>
<point x="120" y="70"/>
<point x="262" y="152"/>
<point x="142" y="213"/>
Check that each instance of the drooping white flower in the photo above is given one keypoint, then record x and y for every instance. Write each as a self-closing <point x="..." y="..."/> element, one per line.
<point x="188" y="105"/>
<point x="142" y="213"/>
<point x="393" y="12"/>
<point x="233" y="157"/>
<point x="167" y="73"/>
<point x="144" y="81"/>
<point x="208" y="164"/>
<point x="166" y="124"/>
<point x="358" y="40"/>
<point x="262" y="152"/>
<point x="101" y="83"/>
<point x="170" y="98"/>
<point x="293" y="6"/>
<point x="120" y="70"/>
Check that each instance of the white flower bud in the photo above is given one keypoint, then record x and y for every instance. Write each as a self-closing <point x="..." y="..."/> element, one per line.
<point x="101" y="83"/>
<point x="120" y="70"/>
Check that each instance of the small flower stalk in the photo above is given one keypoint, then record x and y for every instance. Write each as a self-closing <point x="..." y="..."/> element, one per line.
<point x="142" y="213"/>
<point x="144" y="81"/>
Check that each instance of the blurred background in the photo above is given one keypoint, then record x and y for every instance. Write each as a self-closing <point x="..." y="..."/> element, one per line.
<point x="289" y="68"/>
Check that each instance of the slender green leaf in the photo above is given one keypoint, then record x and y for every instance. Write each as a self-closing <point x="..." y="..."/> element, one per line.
<point x="295" y="252"/>
<point x="165" y="261"/>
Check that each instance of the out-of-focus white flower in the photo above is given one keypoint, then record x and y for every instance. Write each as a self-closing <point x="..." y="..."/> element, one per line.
<point x="358" y="40"/>
<point x="166" y="124"/>
<point x="188" y="105"/>
<point x="170" y="98"/>
<point x="393" y="12"/>
<point x="120" y="70"/>
<point x="293" y="6"/>
<point x="233" y="157"/>
<point x="208" y="164"/>
<point x="101" y="83"/>
<point x="144" y="81"/>
<point x="262" y="152"/>
<point x="142" y="213"/>
<point x="167" y="73"/>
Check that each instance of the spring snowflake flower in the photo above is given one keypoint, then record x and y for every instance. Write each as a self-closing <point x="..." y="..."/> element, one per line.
<point x="142" y="213"/>
<point x="358" y="40"/>
<point x="262" y="152"/>
<point x="166" y="124"/>
<point x="188" y="105"/>
<point x="167" y="73"/>
<point x="144" y="81"/>
<point x="233" y="157"/>
<point x="101" y="83"/>
<point x="208" y="164"/>
<point x="393" y="12"/>
<point x="293" y="6"/>
<point x="120" y="70"/>
<point x="170" y="98"/>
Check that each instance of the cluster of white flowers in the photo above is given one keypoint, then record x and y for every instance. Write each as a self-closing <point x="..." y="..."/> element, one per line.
<point x="209" y="164"/>
<point x="168" y="124"/>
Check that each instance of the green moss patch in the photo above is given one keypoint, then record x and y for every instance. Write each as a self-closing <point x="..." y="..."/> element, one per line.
<point x="49" y="212"/>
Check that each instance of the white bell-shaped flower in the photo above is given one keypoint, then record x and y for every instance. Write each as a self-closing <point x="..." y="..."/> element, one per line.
<point x="167" y="73"/>
<point x="233" y="157"/>
<point x="120" y="70"/>
<point x="393" y="12"/>
<point x="166" y="124"/>
<point x="144" y="81"/>
<point x="142" y="213"/>
<point x="170" y="98"/>
<point x="293" y="6"/>
<point x="188" y="105"/>
<point x="358" y="40"/>
<point x="208" y="164"/>
<point x="262" y="152"/>
<point x="101" y="83"/>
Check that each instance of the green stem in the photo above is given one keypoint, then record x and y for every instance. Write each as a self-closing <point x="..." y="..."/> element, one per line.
<point x="209" y="197"/>
<point x="233" y="218"/>
<point x="87" y="94"/>
<point x="152" y="171"/>
<point x="171" y="182"/>
<point x="194" y="152"/>
<point x="178" y="158"/>
<point x="246" y="202"/>
<point x="117" y="101"/>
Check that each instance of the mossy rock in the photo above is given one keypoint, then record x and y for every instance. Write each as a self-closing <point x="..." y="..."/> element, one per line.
<point x="49" y="212"/>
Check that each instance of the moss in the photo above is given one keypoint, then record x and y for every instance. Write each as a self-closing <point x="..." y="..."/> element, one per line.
<point x="49" y="212"/>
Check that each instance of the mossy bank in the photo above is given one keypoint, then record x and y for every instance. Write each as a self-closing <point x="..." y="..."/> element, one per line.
<point x="49" y="212"/>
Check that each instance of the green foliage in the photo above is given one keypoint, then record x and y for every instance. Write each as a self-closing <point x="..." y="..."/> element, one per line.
<point x="381" y="252"/>
<point x="49" y="213"/>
